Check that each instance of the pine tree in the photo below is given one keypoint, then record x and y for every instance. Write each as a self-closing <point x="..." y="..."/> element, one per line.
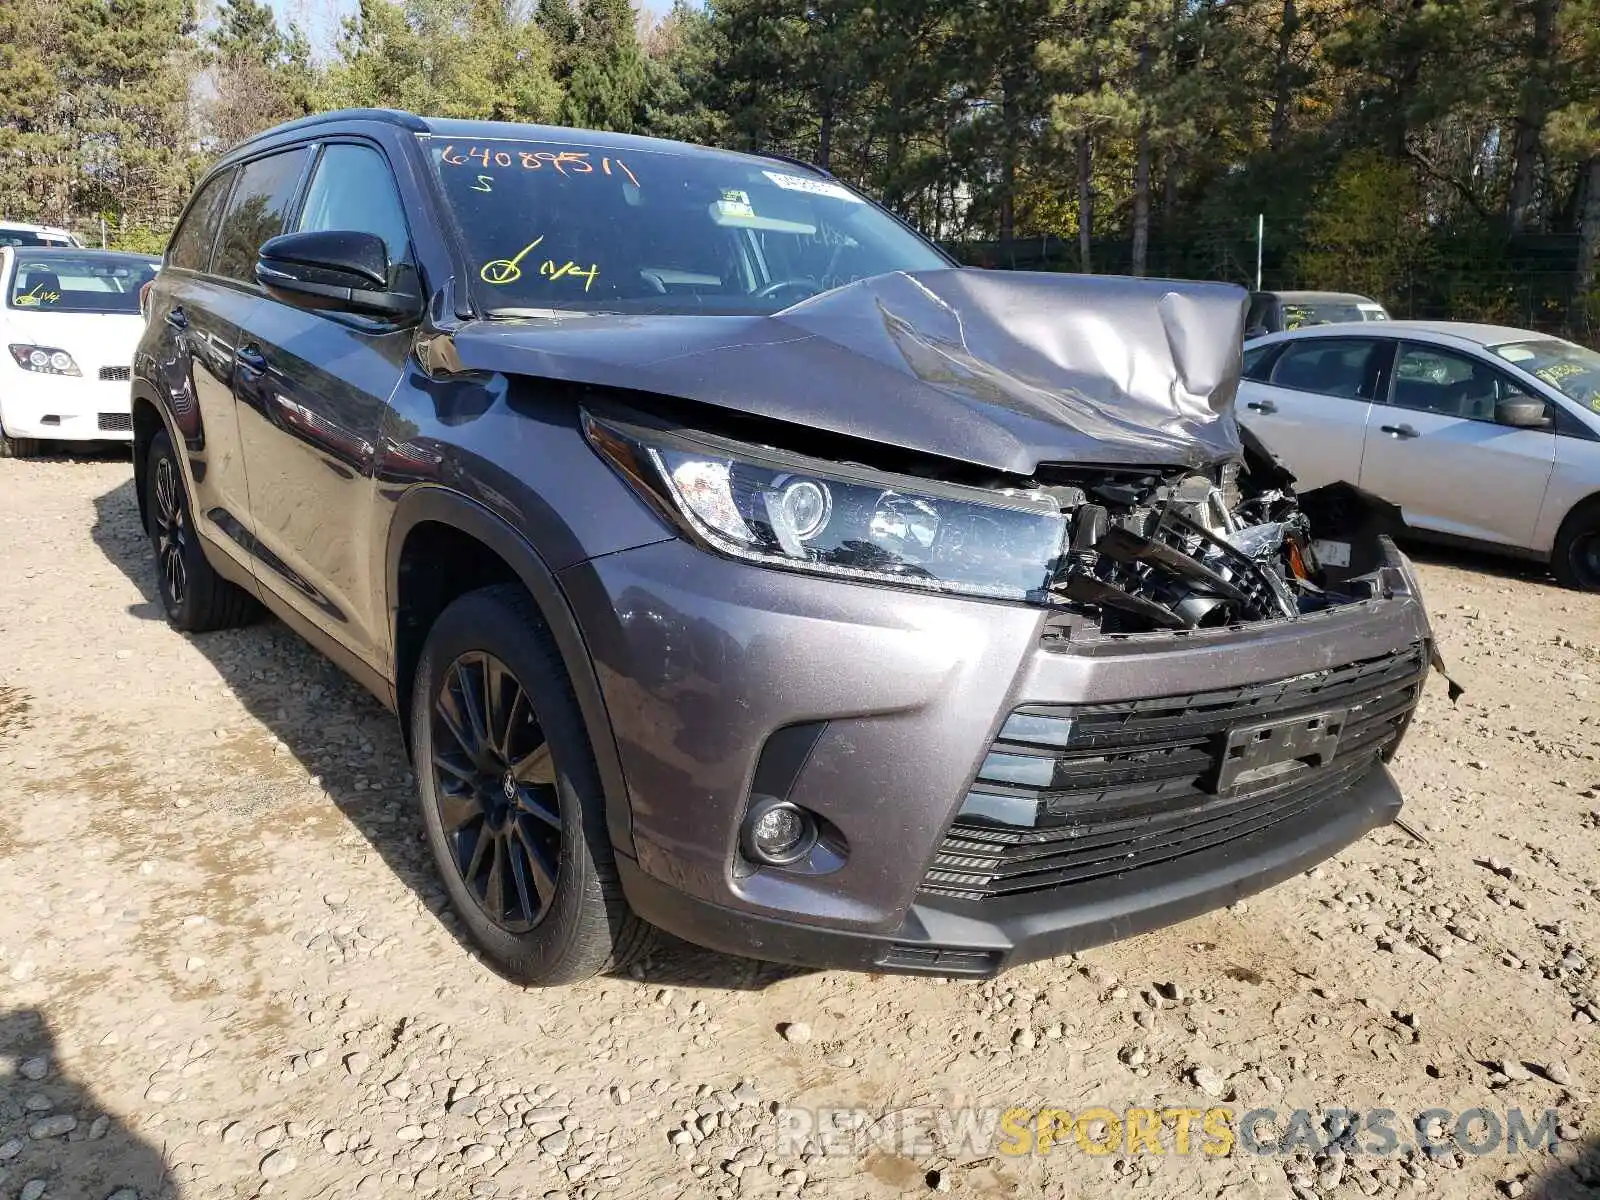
<point x="126" y="70"/>
<point x="606" y="87"/>
<point x="34" y="143"/>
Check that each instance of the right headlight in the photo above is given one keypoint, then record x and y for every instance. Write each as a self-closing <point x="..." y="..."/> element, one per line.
<point x="802" y="514"/>
<point x="44" y="359"/>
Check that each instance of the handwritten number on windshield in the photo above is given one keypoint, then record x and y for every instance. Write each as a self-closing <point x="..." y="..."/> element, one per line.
<point x="508" y="270"/>
<point x="565" y="163"/>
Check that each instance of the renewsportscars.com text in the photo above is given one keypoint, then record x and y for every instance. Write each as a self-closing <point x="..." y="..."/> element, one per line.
<point x="1214" y="1132"/>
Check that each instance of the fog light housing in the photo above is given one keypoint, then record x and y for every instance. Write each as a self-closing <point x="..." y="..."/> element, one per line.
<point x="776" y="833"/>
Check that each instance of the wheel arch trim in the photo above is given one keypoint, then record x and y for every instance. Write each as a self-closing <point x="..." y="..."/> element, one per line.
<point x="430" y="503"/>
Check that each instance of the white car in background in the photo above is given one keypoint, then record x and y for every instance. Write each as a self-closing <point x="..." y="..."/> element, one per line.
<point x="69" y="323"/>
<point x="1482" y="435"/>
<point x="20" y="233"/>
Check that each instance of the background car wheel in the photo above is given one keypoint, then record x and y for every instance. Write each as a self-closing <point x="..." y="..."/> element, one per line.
<point x="1575" y="561"/>
<point x="511" y="798"/>
<point x="195" y="597"/>
<point x="11" y="447"/>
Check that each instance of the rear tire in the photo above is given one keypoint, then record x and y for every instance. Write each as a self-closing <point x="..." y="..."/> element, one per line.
<point x="195" y="597"/>
<point x="511" y="798"/>
<point x="1575" y="561"/>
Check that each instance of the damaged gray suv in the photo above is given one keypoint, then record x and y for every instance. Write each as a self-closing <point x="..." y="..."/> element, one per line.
<point x="739" y="566"/>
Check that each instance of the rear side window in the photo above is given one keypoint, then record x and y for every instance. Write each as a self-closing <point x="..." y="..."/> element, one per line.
<point x="191" y="245"/>
<point x="353" y="189"/>
<point x="1258" y="361"/>
<point x="1328" y="366"/>
<point x="256" y="212"/>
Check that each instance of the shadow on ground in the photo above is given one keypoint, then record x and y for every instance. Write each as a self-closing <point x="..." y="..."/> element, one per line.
<point x="58" y="1133"/>
<point x="1578" y="1179"/>
<point x="1494" y="565"/>
<point x="352" y="743"/>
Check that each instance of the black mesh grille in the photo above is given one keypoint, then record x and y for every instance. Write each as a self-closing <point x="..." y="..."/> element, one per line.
<point x="116" y="423"/>
<point x="1071" y="793"/>
<point x="116" y="374"/>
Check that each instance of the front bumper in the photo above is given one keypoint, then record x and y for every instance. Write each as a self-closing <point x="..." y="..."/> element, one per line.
<point x="902" y="695"/>
<point x="65" y="407"/>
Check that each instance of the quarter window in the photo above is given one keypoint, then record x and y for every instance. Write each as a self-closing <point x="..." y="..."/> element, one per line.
<point x="191" y="245"/>
<point x="354" y="190"/>
<point x="1330" y="366"/>
<point x="256" y="212"/>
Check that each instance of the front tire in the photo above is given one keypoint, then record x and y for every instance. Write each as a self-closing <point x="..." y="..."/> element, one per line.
<point x="1575" y="560"/>
<point x="511" y="797"/>
<point x="195" y="597"/>
<point x="15" y="447"/>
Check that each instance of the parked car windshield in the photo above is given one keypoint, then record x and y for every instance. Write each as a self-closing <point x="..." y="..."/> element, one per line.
<point x="11" y="236"/>
<point x="79" y="283"/>
<point x="1563" y="365"/>
<point x="1329" y="312"/>
<point x="559" y="225"/>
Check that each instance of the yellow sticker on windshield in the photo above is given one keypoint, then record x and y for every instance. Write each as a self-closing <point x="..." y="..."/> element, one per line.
<point x="1556" y="372"/>
<point x="36" y="297"/>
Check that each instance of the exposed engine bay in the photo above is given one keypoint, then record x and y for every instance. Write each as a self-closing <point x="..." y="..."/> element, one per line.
<point x="1151" y="550"/>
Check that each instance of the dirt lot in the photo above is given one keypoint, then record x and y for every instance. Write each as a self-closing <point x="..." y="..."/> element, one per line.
<point x="225" y="970"/>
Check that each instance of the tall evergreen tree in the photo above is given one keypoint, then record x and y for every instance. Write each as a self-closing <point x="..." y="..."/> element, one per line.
<point x="606" y="86"/>
<point x="125" y="70"/>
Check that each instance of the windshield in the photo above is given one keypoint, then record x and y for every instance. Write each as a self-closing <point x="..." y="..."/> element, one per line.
<point x="79" y="283"/>
<point x="1330" y="312"/>
<point x="29" y="237"/>
<point x="561" y="225"/>
<point x="1563" y="365"/>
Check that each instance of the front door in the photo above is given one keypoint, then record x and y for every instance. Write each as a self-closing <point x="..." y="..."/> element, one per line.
<point x="1434" y="448"/>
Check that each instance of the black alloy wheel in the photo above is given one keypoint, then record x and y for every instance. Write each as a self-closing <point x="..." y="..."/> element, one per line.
<point x="195" y="597"/>
<point x="512" y="805"/>
<point x="495" y="779"/>
<point x="171" y="532"/>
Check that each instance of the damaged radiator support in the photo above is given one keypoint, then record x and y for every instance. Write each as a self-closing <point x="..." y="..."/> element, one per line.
<point x="1178" y="558"/>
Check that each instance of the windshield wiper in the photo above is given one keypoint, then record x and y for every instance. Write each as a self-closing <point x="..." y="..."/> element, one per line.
<point x="513" y="313"/>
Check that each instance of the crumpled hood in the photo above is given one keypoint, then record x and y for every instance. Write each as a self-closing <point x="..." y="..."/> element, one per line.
<point x="1004" y="370"/>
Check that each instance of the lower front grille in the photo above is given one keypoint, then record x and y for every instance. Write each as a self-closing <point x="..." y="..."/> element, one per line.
<point x="116" y="423"/>
<point x="1074" y="793"/>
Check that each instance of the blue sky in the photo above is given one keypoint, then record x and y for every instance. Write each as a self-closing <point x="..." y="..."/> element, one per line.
<point x="320" y="18"/>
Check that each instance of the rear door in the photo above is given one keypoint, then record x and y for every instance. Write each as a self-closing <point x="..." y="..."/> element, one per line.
<point x="1310" y="406"/>
<point x="313" y="388"/>
<point x="206" y="294"/>
<point x="1434" y="448"/>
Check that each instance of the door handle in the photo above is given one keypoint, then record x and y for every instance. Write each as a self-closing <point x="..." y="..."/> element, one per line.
<point x="1262" y="406"/>
<point x="251" y="359"/>
<point x="1400" y="431"/>
<point x="177" y="319"/>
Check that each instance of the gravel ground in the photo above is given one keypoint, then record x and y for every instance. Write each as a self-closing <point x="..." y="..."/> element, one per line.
<point x="226" y="969"/>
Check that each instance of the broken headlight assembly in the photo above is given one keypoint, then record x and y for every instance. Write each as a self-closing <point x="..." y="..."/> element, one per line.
<point x="782" y="510"/>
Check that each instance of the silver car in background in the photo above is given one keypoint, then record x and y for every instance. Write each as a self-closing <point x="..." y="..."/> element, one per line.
<point x="1483" y="435"/>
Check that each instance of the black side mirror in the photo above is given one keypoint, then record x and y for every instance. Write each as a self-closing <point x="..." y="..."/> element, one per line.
<point x="339" y="270"/>
<point x="1255" y="331"/>
<point x="1521" y="412"/>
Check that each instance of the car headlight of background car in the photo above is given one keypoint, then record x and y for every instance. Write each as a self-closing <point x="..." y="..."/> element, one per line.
<point x="45" y="359"/>
<point x="783" y="510"/>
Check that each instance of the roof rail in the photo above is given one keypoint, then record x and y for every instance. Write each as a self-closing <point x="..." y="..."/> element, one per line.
<point x="794" y="162"/>
<point x="390" y="116"/>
